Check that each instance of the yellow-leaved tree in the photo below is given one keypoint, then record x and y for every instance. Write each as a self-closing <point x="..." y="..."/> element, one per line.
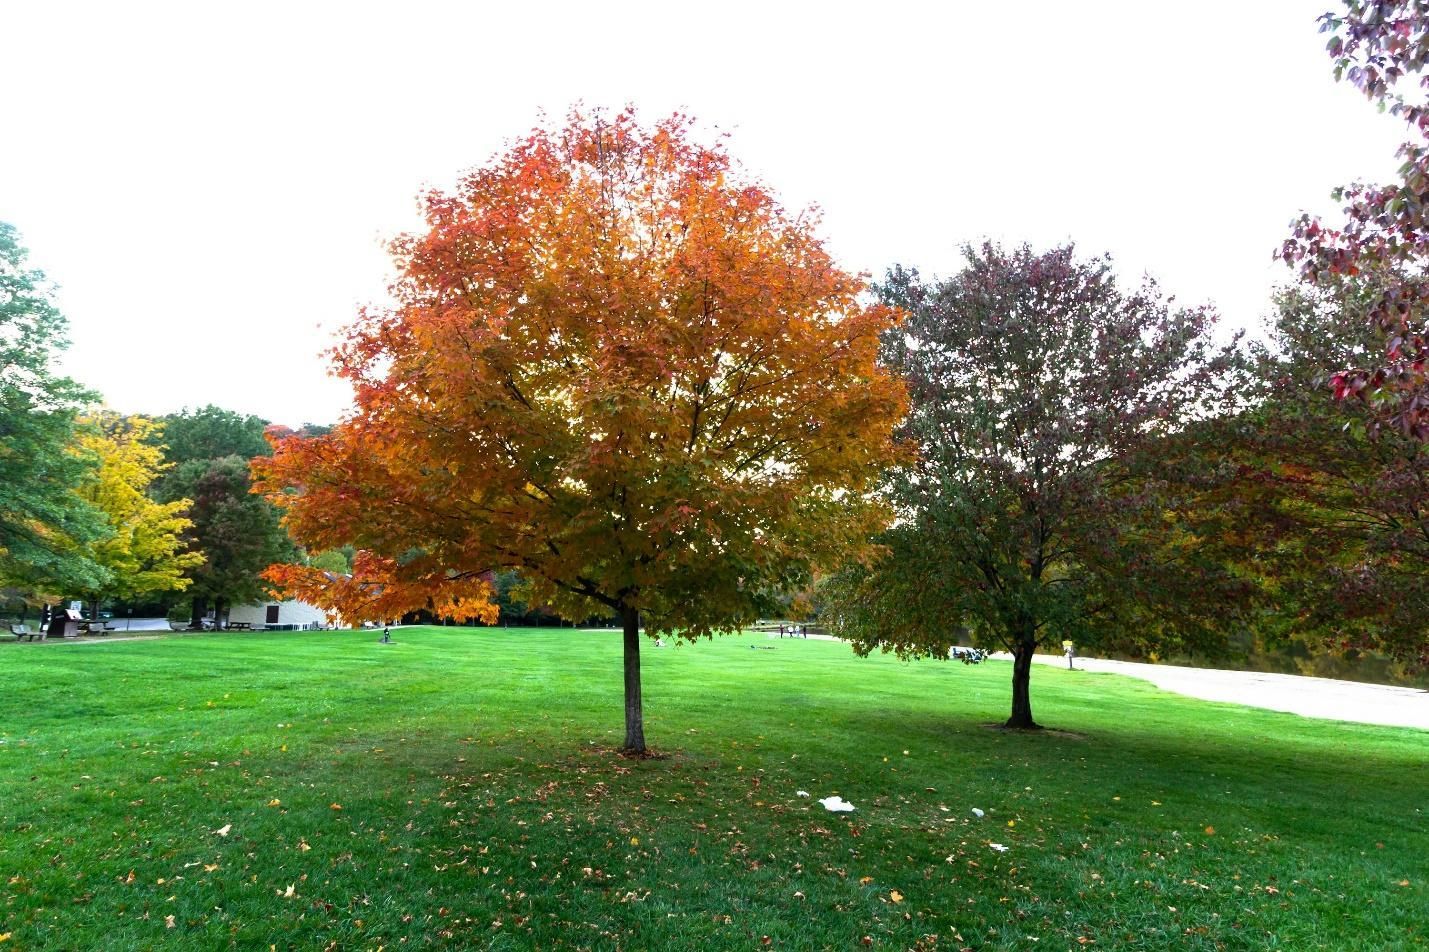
<point x="145" y="552"/>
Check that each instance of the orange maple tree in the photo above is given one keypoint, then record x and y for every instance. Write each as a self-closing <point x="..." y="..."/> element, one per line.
<point x="616" y="367"/>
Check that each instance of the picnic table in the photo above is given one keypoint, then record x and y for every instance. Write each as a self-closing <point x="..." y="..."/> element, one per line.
<point x="792" y="631"/>
<point x="240" y="626"/>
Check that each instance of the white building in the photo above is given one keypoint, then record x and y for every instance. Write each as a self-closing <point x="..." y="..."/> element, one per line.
<point x="280" y="616"/>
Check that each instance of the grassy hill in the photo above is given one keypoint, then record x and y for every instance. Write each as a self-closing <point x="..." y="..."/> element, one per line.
<point x="459" y="789"/>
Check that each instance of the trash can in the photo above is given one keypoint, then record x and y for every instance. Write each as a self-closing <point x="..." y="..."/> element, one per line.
<point x="64" y="624"/>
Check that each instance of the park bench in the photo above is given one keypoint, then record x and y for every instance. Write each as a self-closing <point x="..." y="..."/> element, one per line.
<point x="22" y="633"/>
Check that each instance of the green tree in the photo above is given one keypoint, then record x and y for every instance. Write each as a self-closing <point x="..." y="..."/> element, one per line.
<point x="45" y="528"/>
<point x="239" y="533"/>
<point x="1335" y="513"/>
<point x="333" y="560"/>
<point x="1042" y="396"/>
<point x="212" y="432"/>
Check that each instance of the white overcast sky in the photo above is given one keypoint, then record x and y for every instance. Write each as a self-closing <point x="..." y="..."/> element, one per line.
<point x="211" y="183"/>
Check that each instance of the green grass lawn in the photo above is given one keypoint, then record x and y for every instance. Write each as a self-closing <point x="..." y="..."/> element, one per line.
<point x="459" y="789"/>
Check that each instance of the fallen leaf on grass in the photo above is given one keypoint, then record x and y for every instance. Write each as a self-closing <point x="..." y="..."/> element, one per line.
<point x="1210" y="831"/>
<point x="275" y="802"/>
<point x="223" y="830"/>
<point x="895" y="895"/>
<point x="334" y="806"/>
<point x="209" y="867"/>
<point x="286" y="893"/>
<point x="168" y="922"/>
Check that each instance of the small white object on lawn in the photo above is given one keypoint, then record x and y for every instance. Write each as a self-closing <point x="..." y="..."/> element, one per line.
<point x="837" y="804"/>
<point x="977" y="812"/>
<point x="999" y="847"/>
<point x="223" y="830"/>
<point x="801" y="793"/>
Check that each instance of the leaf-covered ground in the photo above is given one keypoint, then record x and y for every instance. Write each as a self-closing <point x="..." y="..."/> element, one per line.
<point x="458" y="789"/>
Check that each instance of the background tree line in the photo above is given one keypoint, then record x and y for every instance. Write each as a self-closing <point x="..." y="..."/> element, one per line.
<point x="107" y="508"/>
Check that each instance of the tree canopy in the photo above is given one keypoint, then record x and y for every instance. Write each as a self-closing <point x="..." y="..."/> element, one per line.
<point x="144" y="552"/>
<point x="1040" y="395"/>
<point x="212" y="432"/>
<point x="1334" y="517"/>
<point x="614" y="366"/>
<point x="1381" y="47"/>
<point x="44" y="527"/>
<point x="238" y="532"/>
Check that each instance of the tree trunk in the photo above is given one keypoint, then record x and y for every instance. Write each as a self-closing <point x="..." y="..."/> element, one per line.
<point x="196" y="613"/>
<point x="634" y="713"/>
<point x="1021" y="681"/>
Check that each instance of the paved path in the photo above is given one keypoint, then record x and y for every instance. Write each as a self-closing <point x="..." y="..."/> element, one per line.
<point x="1309" y="697"/>
<point x="1326" y="698"/>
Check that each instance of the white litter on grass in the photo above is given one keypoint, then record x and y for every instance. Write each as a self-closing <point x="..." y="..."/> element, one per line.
<point x="837" y="804"/>
<point x="977" y="812"/>
<point x="801" y="793"/>
<point x="999" y="847"/>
